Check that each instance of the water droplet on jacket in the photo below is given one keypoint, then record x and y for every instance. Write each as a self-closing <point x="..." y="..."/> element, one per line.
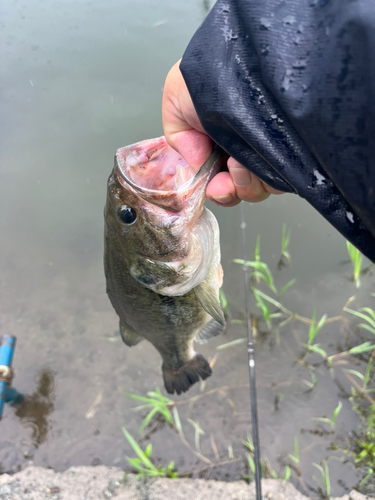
<point x="265" y="23"/>
<point x="300" y="64"/>
<point x="286" y="81"/>
<point x="289" y="20"/>
<point x="350" y="216"/>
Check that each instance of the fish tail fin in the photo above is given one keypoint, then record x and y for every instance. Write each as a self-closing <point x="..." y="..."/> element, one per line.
<point x="182" y="379"/>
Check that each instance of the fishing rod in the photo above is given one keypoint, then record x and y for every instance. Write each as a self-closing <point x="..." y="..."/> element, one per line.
<point x="250" y="350"/>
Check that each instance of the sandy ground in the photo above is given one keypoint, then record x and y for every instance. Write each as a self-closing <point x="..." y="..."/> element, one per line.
<point x="100" y="482"/>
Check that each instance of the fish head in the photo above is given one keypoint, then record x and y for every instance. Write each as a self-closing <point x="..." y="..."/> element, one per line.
<point x="154" y="214"/>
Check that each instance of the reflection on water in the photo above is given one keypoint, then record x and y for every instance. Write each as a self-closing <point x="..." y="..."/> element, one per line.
<point x="35" y="408"/>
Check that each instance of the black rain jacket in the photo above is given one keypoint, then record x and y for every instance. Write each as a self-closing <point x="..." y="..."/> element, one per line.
<point x="288" y="89"/>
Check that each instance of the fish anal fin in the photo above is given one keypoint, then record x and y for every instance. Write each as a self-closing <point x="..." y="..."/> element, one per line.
<point x="128" y="335"/>
<point x="208" y="331"/>
<point x="182" y="379"/>
<point x="210" y="302"/>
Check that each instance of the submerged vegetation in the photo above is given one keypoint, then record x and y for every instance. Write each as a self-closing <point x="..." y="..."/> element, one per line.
<point x="358" y="448"/>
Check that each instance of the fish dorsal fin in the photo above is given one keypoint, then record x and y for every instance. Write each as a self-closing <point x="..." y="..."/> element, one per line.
<point x="209" y="301"/>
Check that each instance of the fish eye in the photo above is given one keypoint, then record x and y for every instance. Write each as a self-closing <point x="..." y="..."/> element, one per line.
<point x="127" y="215"/>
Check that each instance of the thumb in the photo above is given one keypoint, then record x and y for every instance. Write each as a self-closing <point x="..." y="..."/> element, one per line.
<point x="182" y="128"/>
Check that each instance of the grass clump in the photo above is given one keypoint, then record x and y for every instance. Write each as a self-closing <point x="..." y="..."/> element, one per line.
<point x="143" y="464"/>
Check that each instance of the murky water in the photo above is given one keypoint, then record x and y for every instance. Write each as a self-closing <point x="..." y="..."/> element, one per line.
<point x="81" y="79"/>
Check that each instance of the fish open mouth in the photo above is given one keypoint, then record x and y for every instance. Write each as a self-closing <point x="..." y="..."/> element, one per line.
<point x="154" y="165"/>
<point x="161" y="176"/>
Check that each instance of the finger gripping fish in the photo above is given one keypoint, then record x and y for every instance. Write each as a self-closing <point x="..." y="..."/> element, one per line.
<point x="162" y="256"/>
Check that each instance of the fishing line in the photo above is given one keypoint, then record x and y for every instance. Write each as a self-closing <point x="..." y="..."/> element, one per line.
<point x="250" y="350"/>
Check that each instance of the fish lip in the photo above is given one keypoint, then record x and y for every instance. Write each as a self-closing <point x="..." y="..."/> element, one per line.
<point x="175" y="203"/>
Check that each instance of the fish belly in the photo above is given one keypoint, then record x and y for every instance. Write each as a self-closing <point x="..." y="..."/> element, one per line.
<point x="169" y="323"/>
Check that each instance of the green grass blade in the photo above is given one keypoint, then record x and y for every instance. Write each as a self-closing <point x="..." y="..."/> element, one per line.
<point x="249" y="443"/>
<point x="312" y="332"/>
<point x="272" y="301"/>
<point x="359" y="349"/>
<point x="368" y="375"/>
<point x="140" y="398"/>
<point x="177" y="421"/>
<point x="354" y="372"/>
<point x="327" y="480"/>
<point x="257" y="249"/>
<point x="230" y="344"/>
<point x="158" y="395"/>
<point x="336" y="411"/>
<point x="360" y="315"/>
<point x="138" y="450"/>
<point x="287" y="473"/>
<point x="367" y="327"/>
<point x="285" y="287"/>
<point x="147" y="419"/>
<point x="315" y="348"/>
<point x="251" y="462"/>
<point x="369" y="311"/>
<point x="285" y="239"/>
<point x="321" y="322"/>
<point x="223" y="300"/>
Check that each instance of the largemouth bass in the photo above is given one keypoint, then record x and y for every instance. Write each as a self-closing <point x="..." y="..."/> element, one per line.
<point x="162" y="256"/>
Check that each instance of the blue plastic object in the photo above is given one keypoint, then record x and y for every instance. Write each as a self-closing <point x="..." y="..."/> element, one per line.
<point x="7" y="345"/>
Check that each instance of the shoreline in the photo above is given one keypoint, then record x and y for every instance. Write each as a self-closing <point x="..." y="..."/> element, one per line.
<point x="102" y="482"/>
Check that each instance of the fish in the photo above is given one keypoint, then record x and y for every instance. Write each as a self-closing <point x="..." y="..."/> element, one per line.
<point x="162" y="256"/>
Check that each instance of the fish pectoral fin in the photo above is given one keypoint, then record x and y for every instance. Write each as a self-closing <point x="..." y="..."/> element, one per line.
<point x="209" y="330"/>
<point x="128" y="335"/>
<point x="210" y="302"/>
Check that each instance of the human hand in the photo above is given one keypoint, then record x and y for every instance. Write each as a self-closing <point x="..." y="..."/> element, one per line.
<point x="184" y="132"/>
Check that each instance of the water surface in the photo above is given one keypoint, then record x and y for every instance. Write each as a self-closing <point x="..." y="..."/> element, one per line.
<point x="81" y="79"/>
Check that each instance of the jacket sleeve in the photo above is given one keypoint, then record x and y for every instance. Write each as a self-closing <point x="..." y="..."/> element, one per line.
<point x="288" y="89"/>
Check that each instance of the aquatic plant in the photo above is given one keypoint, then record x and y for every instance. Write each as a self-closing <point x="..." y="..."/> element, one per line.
<point x="198" y="432"/>
<point x="265" y="465"/>
<point x="311" y="385"/>
<point x="369" y="317"/>
<point x="365" y="378"/>
<point x="143" y="464"/>
<point x="356" y="258"/>
<point x="295" y="457"/>
<point x="331" y="421"/>
<point x="358" y="349"/>
<point x="261" y="271"/>
<point x="223" y="300"/>
<point x="324" y="472"/>
<point x="284" y="254"/>
<point x="315" y="327"/>
<point x="157" y="404"/>
<point x="264" y="309"/>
